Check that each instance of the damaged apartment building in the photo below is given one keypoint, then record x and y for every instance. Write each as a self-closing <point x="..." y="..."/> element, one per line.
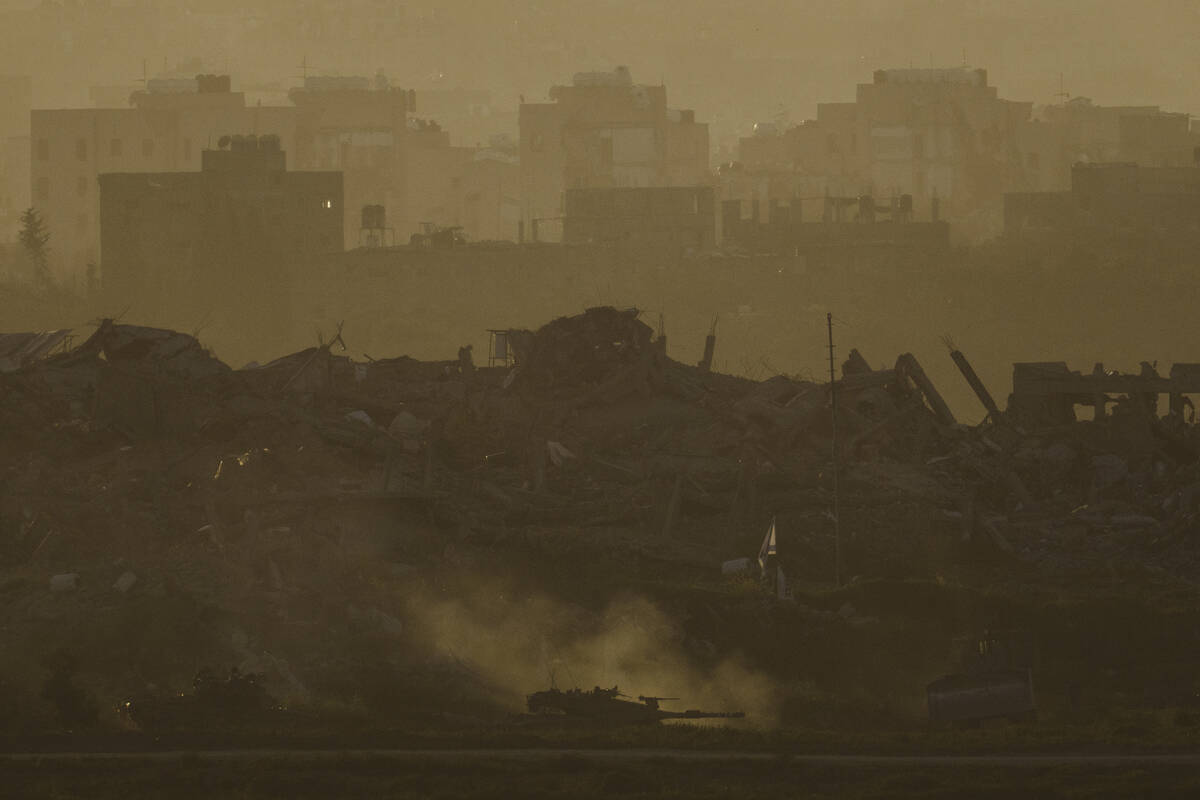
<point x="164" y="129"/>
<point x="16" y="98"/>
<point x="946" y="139"/>
<point x="1111" y="201"/>
<point x="226" y="245"/>
<point x="604" y="132"/>
<point x="362" y="127"/>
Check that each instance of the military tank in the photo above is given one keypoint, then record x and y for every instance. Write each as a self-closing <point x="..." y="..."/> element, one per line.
<point x="609" y="707"/>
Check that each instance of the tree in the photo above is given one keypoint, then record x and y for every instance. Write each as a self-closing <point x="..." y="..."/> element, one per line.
<point x="35" y="239"/>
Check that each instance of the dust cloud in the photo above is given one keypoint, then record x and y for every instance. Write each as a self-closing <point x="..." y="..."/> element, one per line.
<point x="517" y="645"/>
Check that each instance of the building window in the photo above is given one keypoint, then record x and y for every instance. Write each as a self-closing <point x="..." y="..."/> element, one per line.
<point x="326" y="204"/>
<point x="115" y="147"/>
<point x="81" y="186"/>
<point x="81" y="149"/>
<point x="43" y="148"/>
<point x="147" y="148"/>
<point x="42" y="192"/>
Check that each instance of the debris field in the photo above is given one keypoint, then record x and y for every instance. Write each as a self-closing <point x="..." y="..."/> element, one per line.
<point x="163" y="513"/>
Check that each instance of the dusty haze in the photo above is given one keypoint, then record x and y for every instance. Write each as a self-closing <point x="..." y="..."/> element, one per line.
<point x="825" y="360"/>
<point x="735" y="63"/>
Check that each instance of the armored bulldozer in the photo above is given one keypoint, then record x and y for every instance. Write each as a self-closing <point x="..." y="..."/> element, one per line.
<point x="995" y="680"/>
<point x="438" y="237"/>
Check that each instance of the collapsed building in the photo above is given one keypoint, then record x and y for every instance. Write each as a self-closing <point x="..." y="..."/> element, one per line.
<point x="215" y="515"/>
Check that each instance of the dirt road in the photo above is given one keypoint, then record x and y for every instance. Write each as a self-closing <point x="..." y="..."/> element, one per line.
<point x="624" y="756"/>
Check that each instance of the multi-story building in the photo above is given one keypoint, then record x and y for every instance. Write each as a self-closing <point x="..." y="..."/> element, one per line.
<point x="938" y="133"/>
<point x="679" y="218"/>
<point x="362" y="127"/>
<point x="1112" y="200"/>
<point x="470" y="115"/>
<point x="164" y="129"/>
<point x="928" y="133"/>
<point x="358" y="126"/>
<point x="1079" y="131"/>
<point x="489" y="193"/>
<point x="16" y="100"/>
<point x="604" y="131"/>
<point x="368" y="129"/>
<point x="944" y="137"/>
<point x="226" y="243"/>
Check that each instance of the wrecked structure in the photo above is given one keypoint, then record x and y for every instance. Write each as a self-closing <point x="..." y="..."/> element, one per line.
<point x="215" y="515"/>
<point x="1048" y="391"/>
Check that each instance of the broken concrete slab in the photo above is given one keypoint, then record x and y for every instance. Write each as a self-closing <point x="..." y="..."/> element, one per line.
<point x="125" y="582"/>
<point x="65" y="582"/>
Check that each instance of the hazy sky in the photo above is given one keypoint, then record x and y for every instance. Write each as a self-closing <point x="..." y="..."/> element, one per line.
<point x="734" y="62"/>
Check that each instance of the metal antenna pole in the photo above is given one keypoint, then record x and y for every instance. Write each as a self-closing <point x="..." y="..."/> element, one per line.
<point x="837" y="519"/>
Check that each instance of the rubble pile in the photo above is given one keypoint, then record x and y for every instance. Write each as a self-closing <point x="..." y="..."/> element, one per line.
<point x="281" y="517"/>
<point x="586" y="349"/>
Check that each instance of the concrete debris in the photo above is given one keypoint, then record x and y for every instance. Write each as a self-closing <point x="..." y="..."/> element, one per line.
<point x="124" y="583"/>
<point x="558" y="453"/>
<point x="305" y="504"/>
<point x="66" y="582"/>
<point x="405" y="426"/>
<point x="363" y="417"/>
<point x="386" y="622"/>
<point x="18" y="350"/>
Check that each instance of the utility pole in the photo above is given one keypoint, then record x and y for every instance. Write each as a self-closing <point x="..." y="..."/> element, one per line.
<point x="1063" y="95"/>
<point x="837" y="520"/>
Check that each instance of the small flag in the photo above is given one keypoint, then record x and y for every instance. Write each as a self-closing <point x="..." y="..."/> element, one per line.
<point x="768" y="546"/>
